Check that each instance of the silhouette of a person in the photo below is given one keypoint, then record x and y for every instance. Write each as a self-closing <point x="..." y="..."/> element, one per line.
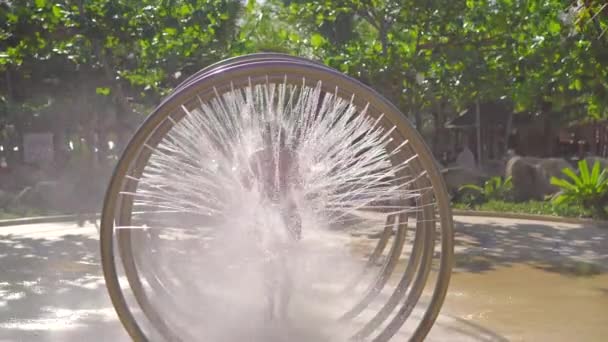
<point x="276" y="174"/>
<point x="275" y="168"/>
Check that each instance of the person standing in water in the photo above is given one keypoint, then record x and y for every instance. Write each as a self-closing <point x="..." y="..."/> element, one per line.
<point x="275" y="170"/>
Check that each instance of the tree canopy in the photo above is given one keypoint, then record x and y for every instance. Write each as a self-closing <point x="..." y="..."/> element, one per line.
<point x="67" y="61"/>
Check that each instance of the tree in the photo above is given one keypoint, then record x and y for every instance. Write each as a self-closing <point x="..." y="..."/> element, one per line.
<point x="427" y="56"/>
<point x="264" y="28"/>
<point x="118" y="53"/>
<point x="431" y="58"/>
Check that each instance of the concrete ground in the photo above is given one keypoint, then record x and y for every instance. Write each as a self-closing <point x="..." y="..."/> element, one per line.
<point x="52" y="289"/>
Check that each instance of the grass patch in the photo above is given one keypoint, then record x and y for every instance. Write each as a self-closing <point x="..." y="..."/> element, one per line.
<point x="530" y="207"/>
<point x="21" y="212"/>
<point x="7" y="215"/>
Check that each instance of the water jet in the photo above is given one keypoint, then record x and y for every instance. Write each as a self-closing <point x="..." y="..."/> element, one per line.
<point x="184" y="238"/>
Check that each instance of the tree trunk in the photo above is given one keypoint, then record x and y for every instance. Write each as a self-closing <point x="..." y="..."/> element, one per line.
<point x="547" y="134"/>
<point x="595" y="139"/>
<point x="9" y="88"/>
<point x="478" y="127"/>
<point x="436" y="132"/>
<point x="508" y="128"/>
<point x="418" y="120"/>
<point x="124" y="108"/>
<point x="383" y="39"/>
<point x="117" y="90"/>
<point x="439" y="136"/>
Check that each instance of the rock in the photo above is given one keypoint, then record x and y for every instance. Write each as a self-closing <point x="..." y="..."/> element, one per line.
<point x="455" y="177"/>
<point x="553" y="167"/>
<point x="37" y="196"/>
<point x="24" y="175"/>
<point x="47" y="195"/>
<point x="531" y="177"/>
<point x="494" y="168"/>
<point x="525" y="178"/>
<point x="47" y="192"/>
<point x="591" y="160"/>
<point x="5" y="198"/>
<point x="466" y="159"/>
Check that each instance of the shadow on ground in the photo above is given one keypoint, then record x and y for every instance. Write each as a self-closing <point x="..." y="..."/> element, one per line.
<point x="576" y="250"/>
<point x="51" y="289"/>
<point x="474" y="332"/>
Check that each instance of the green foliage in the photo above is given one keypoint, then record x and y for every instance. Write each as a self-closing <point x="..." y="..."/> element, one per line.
<point x="531" y="207"/>
<point x="420" y="53"/>
<point x="103" y="62"/>
<point x="588" y="189"/>
<point x="264" y="28"/>
<point x="425" y="56"/>
<point x="494" y="188"/>
<point x="142" y="42"/>
<point x="103" y="91"/>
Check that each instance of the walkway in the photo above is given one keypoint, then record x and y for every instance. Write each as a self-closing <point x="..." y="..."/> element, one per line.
<point x="52" y="289"/>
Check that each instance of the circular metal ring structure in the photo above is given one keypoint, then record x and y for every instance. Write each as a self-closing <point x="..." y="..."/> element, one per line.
<point x="414" y="235"/>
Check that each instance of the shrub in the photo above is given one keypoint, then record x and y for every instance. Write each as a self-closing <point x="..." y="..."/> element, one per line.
<point x="586" y="189"/>
<point x="494" y="188"/>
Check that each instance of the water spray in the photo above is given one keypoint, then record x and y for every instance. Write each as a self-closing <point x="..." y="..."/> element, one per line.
<point x="195" y="247"/>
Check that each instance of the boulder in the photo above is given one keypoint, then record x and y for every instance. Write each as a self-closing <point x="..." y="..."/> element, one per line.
<point x="48" y="192"/>
<point x="553" y="167"/>
<point x="494" y="168"/>
<point x="591" y="160"/>
<point x="531" y="177"/>
<point x="24" y="175"/>
<point x="455" y="177"/>
<point x="5" y="198"/>
<point x="47" y="195"/>
<point x="466" y="159"/>
<point x="38" y="196"/>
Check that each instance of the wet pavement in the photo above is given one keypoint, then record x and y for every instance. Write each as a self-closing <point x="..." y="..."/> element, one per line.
<point x="531" y="281"/>
<point x="514" y="281"/>
<point x="51" y="287"/>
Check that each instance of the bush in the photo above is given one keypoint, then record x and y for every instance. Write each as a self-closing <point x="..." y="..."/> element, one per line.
<point x="587" y="189"/>
<point x="493" y="189"/>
